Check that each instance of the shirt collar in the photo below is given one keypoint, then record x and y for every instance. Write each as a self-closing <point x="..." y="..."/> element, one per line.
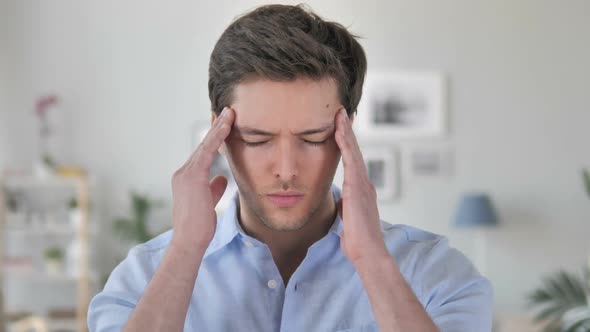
<point x="228" y="226"/>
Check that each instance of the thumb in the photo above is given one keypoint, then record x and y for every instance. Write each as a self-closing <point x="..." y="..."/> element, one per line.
<point x="217" y="187"/>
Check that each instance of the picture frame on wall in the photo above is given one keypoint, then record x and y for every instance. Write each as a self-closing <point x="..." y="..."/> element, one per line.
<point x="399" y="104"/>
<point x="383" y="171"/>
<point x="433" y="161"/>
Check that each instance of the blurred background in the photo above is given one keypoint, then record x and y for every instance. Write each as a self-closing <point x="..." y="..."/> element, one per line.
<point x="101" y="101"/>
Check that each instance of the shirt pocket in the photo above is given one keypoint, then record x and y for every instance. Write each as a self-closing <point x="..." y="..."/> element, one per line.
<point x="369" y="327"/>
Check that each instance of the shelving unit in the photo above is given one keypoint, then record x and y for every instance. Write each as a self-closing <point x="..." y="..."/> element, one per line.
<point x="80" y="186"/>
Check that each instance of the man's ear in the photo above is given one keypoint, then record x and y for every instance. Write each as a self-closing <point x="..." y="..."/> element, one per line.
<point x="221" y="149"/>
<point x="213" y="117"/>
<point x="351" y="117"/>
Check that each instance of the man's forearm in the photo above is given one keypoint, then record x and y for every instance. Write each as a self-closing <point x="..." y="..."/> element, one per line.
<point x="394" y="304"/>
<point x="165" y="302"/>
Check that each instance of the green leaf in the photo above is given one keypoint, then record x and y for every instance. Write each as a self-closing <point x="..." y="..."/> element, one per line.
<point x="586" y="177"/>
<point x="49" y="162"/>
<point x="577" y="319"/>
<point x="559" y="293"/>
<point x="54" y="253"/>
<point x="135" y="228"/>
<point x="125" y="229"/>
<point x="552" y="327"/>
<point x="73" y="203"/>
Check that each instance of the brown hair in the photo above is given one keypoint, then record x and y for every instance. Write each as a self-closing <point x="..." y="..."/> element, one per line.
<point x="282" y="43"/>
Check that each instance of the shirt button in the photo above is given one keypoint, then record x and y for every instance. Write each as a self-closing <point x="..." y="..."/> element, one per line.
<point x="272" y="284"/>
<point x="248" y="244"/>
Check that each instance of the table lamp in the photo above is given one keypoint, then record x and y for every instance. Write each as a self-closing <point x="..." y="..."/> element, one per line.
<point x="476" y="212"/>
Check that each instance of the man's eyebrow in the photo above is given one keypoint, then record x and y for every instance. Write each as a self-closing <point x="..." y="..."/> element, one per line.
<point x="316" y="130"/>
<point x="259" y="132"/>
<point x="252" y="131"/>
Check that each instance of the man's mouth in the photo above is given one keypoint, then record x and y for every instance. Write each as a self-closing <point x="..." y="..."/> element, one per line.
<point x="285" y="198"/>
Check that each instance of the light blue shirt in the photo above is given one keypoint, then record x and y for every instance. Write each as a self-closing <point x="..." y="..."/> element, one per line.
<point x="239" y="287"/>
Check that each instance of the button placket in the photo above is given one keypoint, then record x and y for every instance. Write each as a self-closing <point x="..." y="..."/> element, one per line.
<point x="271" y="272"/>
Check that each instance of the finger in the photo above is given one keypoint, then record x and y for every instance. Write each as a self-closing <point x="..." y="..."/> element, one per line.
<point x="215" y="125"/>
<point x="353" y="143"/>
<point x="352" y="157"/>
<point x="193" y="154"/>
<point x="207" y="150"/>
<point x="217" y="187"/>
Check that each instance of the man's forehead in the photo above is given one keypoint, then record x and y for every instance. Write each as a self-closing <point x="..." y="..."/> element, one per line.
<point x="264" y="121"/>
<point x="300" y="105"/>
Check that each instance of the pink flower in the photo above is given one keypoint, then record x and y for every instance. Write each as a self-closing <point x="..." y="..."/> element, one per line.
<point x="44" y="103"/>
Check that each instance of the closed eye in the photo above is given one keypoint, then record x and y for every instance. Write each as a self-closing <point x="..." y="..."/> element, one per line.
<point x="315" y="143"/>
<point x="253" y="144"/>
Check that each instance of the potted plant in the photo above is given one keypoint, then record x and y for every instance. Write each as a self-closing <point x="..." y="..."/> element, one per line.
<point x="45" y="165"/>
<point x="586" y="178"/>
<point x="564" y="298"/>
<point x="74" y="213"/>
<point x="135" y="227"/>
<point x="54" y="259"/>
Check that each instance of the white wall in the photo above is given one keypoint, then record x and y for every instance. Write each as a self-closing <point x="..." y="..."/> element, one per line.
<point x="133" y="76"/>
<point x="3" y="84"/>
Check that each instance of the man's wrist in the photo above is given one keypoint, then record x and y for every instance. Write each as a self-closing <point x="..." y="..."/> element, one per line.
<point x="188" y="248"/>
<point x="374" y="264"/>
<point x="372" y="255"/>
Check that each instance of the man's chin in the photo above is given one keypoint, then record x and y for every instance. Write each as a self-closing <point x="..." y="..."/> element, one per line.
<point x="284" y="222"/>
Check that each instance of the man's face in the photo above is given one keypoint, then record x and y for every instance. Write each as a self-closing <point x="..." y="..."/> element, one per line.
<point x="282" y="142"/>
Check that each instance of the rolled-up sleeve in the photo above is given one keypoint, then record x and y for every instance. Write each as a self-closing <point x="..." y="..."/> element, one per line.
<point x="110" y="309"/>
<point x="455" y="295"/>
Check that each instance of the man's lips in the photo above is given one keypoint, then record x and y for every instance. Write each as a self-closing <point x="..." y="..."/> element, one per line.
<point x="285" y="198"/>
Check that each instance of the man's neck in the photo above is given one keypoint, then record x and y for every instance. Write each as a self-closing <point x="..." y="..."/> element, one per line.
<point x="288" y="248"/>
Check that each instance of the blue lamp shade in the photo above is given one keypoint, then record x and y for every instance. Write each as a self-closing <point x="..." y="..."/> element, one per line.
<point x="475" y="209"/>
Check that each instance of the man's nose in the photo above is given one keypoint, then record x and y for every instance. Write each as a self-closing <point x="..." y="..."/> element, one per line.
<point x="286" y="167"/>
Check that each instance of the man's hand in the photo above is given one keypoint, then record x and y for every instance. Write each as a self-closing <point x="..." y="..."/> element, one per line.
<point x="361" y="236"/>
<point x="394" y="304"/>
<point x="194" y="220"/>
<point x="194" y="196"/>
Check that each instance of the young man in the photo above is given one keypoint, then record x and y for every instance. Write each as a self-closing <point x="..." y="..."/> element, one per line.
<point x="292" y="252"/>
